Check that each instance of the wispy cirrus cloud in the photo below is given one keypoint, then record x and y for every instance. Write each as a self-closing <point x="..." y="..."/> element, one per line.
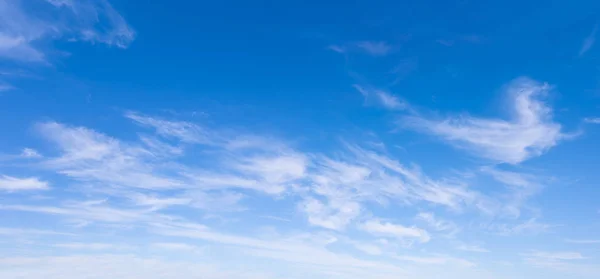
<point x="438" y="224"/>
<point x="372" y="48"/>
<point x="375" y="48"/>
<point x="384" y="98"/>
<point x="531" y="226"/>
<point x="22" y="28"/>
<point x="583" y="241"/>
<point x="30" y="153"/>
<point x="592" y="120"/>
<point x="472" y="248"/>
<point x="382" y="228"/>
<point x="521" y="186"/>
<point x="530" y="133"/>
<point x="90" y="246"/>
<point x="13" y="184"/>
<point x="589" y="41"/>
<point x="436" y="260"/>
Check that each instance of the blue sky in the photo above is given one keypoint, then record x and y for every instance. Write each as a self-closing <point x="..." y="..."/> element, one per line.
<point x="299" y="139"/>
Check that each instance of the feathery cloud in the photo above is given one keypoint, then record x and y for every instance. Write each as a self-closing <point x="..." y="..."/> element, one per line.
<point x="21" y="28"/>
<point x="472" y="248"/>
<point x="386" y="99"/>
<point x="592" y="120"/>
<point x="30" y="153"/>
<point x="589" y="41"/>
<point x="374" y="48"/>
<point x="530" y="133"/>
<point x="378" y="227"/>
<point x="13" y="184"/>
<point x="583" y="241"/>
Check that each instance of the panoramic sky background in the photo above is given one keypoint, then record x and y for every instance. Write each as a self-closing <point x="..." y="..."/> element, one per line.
<point x="299" y="139"/>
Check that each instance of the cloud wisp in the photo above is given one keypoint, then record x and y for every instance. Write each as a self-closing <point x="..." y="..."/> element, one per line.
<point x="529" y="133"/>
<point x="22" y="29"/>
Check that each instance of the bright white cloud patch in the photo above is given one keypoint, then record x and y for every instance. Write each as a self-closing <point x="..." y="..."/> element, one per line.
<point x="378" y="227"/>
<point x="13" y="184"/>
<point x="530" y="132"/>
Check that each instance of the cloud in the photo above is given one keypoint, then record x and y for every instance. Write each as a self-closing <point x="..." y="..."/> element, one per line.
<point x="175" y="246"/>
<point x="583" y="241"/>
<point x="530" y="133"/>
<point x="335" y="215"/>
<point x="555" y="256"/>
<point x="385" y="99"/>
<point x="336" y="48"/>
<point x="89" y="246"/>
<point x="90" y="211"/>
<point x="521" y="186"/>
<point x="368" y="248"/>
<point x="472" y="248"/>
<point x="378" y="227"/>
<point x="19" y="232"/>
<point x="305" y="250"/>
<point x="531" y="226"/>
<point x="160" y="182"/>
<point x="592" y="120"/>
<point x="116" y="266"/>
<point x="374" y="48"/>
<point x="14" y="184"/>
<point x="184" y="131"/>
<point x="30" y="153"/>
<point x="437" y="224"/>
<point x="5" y="86"/>
<point x="436" y="260"/>
<point x="589" y="41"/>
<point x="22" y="28"/>
<point x="93" y="157"/>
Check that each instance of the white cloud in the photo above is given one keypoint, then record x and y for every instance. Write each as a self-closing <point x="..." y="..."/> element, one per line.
<point x="90" y="211"/>
<point x="22" y="28"/>
<point x="335" y="215"/>
<point x="592" y="120"/>
<point x="589" y="41"/>
<point x="384" y="98"/>
<point x="89" y="246"/>
<point x="296" y="250"/>
<point x="436" y="260"/>
<point x="30" y="153"/>
<point x="93" y="157"/>
<point x="529" y="133"/>
<point x="13" y="184"/>
<point x="368" y="248"/>
<point x="521" y="186"/>
<point x="583" y="241"/>
<point x="472" y="248"/>
<point x="336" y="48"/>
<point x="377" y="227"/>
<point x="117" y="266"/>
<point x="175" y="246"/>
<point x="5" y="86"/>
<point x="548" y="257"/>
<point x="437" y="224"/>
<point x="19" y="232"/>
<point x="531" y="226"/>
<point x="184" y="131"/>
<point x="374" y="48"/>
